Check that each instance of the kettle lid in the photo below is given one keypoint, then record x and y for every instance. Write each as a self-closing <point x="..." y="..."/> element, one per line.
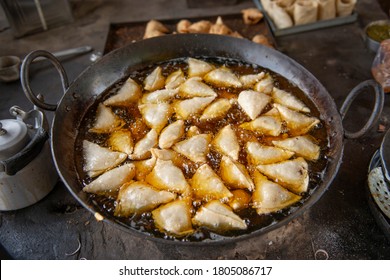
<point x="13" y="137"/>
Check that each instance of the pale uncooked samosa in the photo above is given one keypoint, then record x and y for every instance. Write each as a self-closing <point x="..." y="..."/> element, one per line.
<point x="267" y="125"/>
<point x="105" y="120"/>
<point x="269" y="196"/>
<point x="186" y="108"/>
<point x="129" y="93"/>
<point x="198" y="68"/>
<point x="251" y="79"/>
<point x="235" y="175"/>
<point x="289" y="100"/>
<point x="301" y="145"/>
<point x="156" y="116"/>
<point x="194" y="148"/>
<point x="207" y="185"/>
<point x="154" y="80"/>
<point x="171" y="134"/>
<point x="144" y="167"/>
<point x="121" y="141"/>
<point x="217" y="109"/>
<point x="260" y="154"/>
<point x="166" y="176"/>
<point x="292" y="174"/>
<point x="194" y="87"/>
<point x="253" y="102"/>
<point x="297" y="123"/>
<point x="98" y="159"/>
<point x="226" y="142"/>
<point x="175" y="79"/>
<point x="174" y="217"/>
<point x="159" y="96"/>
<point x="265" y="85"/>
<point x="111" y="180"/>
<point x="139" y="197"/>
<point x="219" y="217"/>
<point x="222" y="77"/>
<point x="143" y="146"/>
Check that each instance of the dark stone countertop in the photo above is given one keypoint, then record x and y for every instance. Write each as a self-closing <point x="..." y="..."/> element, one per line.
<point x="340" y="223"/>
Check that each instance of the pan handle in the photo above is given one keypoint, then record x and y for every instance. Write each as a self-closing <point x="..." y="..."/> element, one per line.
<point x="379" y="102"/>
<point x="25" y="81"/>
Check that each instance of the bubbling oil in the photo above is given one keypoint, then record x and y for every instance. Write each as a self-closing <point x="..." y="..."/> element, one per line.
<point x="235" y="116"/>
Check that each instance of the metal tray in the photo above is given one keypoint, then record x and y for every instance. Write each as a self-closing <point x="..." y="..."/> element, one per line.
<point x="305" y="27"/>
<point x="121" y="34"/>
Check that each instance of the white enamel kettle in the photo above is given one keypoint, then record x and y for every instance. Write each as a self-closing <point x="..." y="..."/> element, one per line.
<point x="27" y="171"/>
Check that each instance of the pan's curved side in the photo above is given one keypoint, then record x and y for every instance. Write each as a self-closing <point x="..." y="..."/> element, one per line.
<point x="84" y="91"/>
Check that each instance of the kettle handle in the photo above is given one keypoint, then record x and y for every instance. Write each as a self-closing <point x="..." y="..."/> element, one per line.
<point x="17" y="162"/>
<point x="25" y="81"/>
